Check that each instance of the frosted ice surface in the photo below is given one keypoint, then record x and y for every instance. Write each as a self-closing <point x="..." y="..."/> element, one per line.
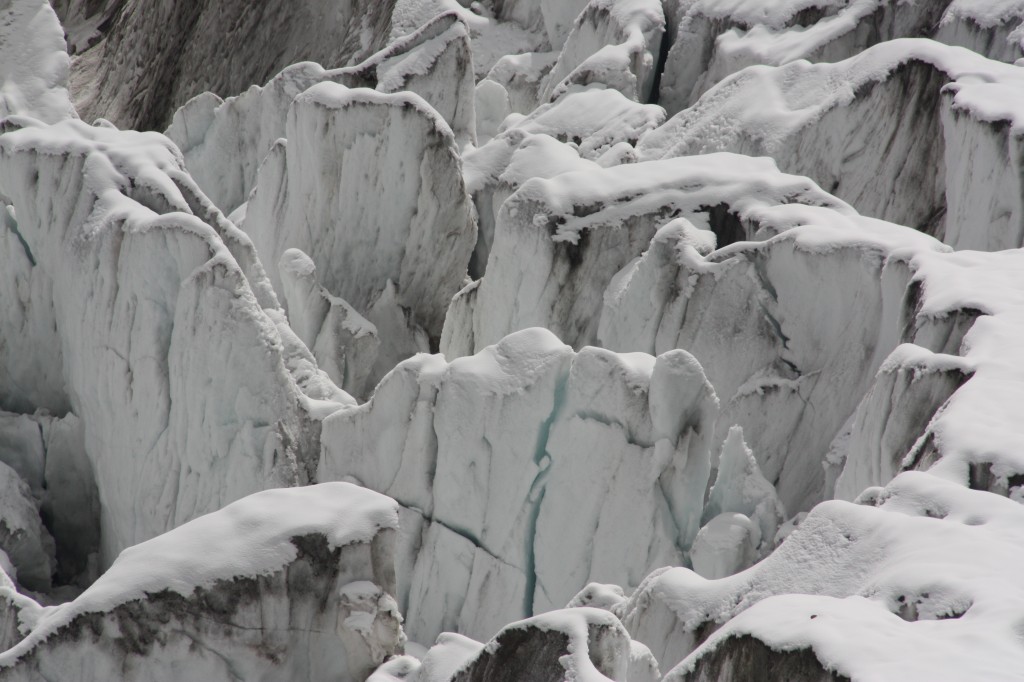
<point x="728" y="302"/>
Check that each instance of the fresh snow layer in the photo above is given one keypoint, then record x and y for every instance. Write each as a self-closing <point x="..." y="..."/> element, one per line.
<point x="590" y="645"/>
<point x="585" y="129"/>
<point x="517" y="27"/>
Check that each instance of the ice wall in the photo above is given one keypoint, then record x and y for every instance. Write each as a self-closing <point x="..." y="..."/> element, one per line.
<point x="189" y="394"/>
<point x="876" y="131"/>
<point x="195" y="47"/>
<point x="484" y="453"/>
<point x="370" y="186"/>
<point x="282" y="584"/>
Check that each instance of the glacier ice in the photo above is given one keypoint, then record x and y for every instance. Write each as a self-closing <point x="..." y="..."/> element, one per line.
<point x="740" y="488"/>
<point x="281" y="584"/>
<point x="145" y="294"/>
<point x="522" y="427"/>
<point x="345" y="344"/>
<point x="225" y="141"/>
<point x="713" y="40"/>
<point x="553" y="139"/>
<point x="695" y="411"/>
<point x="34" y="63"/>
<point x="559" y="241"/>
<point x="872" y="129"/>
<point x="612" y="43"/>
<point x="878" y="577"/>
<point x="314" y="193"/>
<point x="188" y="48"/>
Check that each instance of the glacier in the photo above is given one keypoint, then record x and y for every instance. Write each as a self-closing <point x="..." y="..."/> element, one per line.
<point x="499" y="340"/>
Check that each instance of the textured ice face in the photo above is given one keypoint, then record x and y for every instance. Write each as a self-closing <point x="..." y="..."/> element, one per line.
<point x="888" y="130"/>
<point x="212" y="46"/>
<point x="148" y="306"/>
<point x="713" y="40"/>
<point x="34" y="63"/>
<point x="523" y="468"/>
<point x="305" y="575"/>
<point x="356" y="161"/>
<point x="224" y="141"/>
<point x="671" y="353"/>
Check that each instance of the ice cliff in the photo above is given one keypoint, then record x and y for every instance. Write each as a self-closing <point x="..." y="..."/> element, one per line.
<point x="444" y="341"/>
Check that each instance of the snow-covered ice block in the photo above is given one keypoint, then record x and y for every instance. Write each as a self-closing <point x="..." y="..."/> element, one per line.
<point x="397" y="669"/>
<point x="983" y="128"/>
<point x="593" y="119"/>
<point x="495" y="171"/>
<point x="188" y="389"/>
<point x="224" y="141"/>
<point x="725" y="545"/>
<point x="599" y="596"/>
<point x="450" y="653"/>
<point x="714" y="40"/>
<point x="521" y="76"/>
<point x="283" y="584"/>
<point x="464" y="443"/>
<point x="911" y="386"/>
<point x="897" y="590"/>
<point x="559" y="242"/>
<point x="932" y="552"/>
<point x="790" y="349"/>
<point x="613" y="43"/>
<point x="994" y="28"/>
<point x="587" y="123"/>
<point x="975" y="298"/>
<point x="699" y="29"/>
<point x="34" y="68"/>
<point x="572" y="644"/>
<point x="436" y="63"/>
<point x="491" y="106"/>
<point x="369" y="185"/>
<point x="887" y="130"/>
<point x="745" y="657"/>
<point x="510" y="27"/>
